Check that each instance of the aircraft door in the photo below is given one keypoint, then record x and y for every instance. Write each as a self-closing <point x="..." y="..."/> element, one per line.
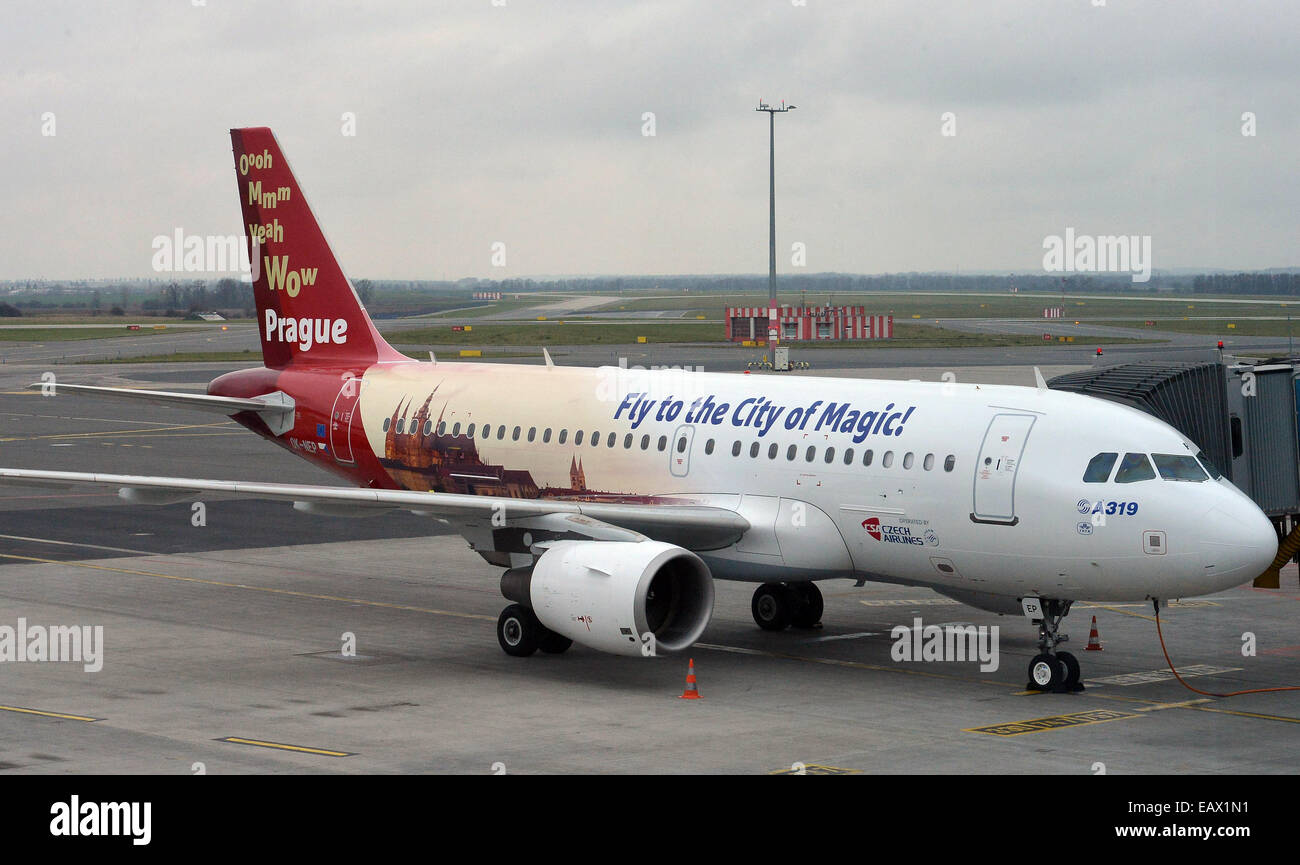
<point x="997" y="466"/>
<point x="679" y="450"/>
<point x="342" y="417"/>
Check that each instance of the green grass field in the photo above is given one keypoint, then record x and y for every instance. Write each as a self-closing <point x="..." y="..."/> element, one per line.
<point x="68" y="334"/>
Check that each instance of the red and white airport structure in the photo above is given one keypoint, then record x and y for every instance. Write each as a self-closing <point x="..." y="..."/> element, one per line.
<point x="802" y="324"/>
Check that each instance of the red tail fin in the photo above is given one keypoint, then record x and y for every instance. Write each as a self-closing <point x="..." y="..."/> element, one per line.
<point x="307" y="311"/>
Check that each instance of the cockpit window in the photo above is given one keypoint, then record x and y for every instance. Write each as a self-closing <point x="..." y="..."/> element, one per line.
<point x="1098" y="471"/>
<point x="1209" y="467"/>
<point x="1179" y="467"/>
<point x="1134" y="468"/>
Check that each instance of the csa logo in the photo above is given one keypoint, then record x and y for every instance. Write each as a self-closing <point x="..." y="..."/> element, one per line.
<point x="1084" y="506"/>
<point x="872" y="526"/>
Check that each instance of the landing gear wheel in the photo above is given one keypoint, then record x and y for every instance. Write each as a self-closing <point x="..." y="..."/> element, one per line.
<point x="1070" y="671"/>
<point x="773" y="606"/>
<point x="1045" y="673"/>
<point x="518" y="631"/>
<point x="808" y="605"/>
<point x="552" y="643"/>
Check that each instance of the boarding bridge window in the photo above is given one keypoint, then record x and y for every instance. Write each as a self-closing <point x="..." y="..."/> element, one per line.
<point x="663" y="442"/>
<point x="1179" y="467"/>
<point x="1209" y="466"/>
<point x="708" y="446"/>
<point x="1098" y="470"/>
<point x="1134" y="468"/>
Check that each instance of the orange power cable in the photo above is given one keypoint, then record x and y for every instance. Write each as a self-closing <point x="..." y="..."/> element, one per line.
<point x="1198" y="690"/>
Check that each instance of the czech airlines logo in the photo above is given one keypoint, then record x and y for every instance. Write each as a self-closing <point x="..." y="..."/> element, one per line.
<point x="892" y="534"/>
<point x="872" y="526"/>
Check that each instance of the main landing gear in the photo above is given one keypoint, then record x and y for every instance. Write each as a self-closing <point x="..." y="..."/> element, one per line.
<point x="777" y="606"/>
<point x="1051" y="670"/>
<point x="520" y="634"/>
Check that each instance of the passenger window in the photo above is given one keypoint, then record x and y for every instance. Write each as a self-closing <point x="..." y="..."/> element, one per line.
<point x="866" y="457"/>
<point x="1134" y="468"/>
<point x="564" y="434"/>
<point x="546" y="435"/>
<point x="595" y="439"/>
<point x="627" y="442"/>
<point x="811" y="454"/>
<point x="848" y="456"/>
<point x="501" y="432"/>
<point x="708" y="446"/>
<point x="514" y="436"/>
<point x="681" y="445"/>
<point x="887" y="460"/>
<point x="753" y="450"/>
<point x="645" y="442"/>
<point x="577" y="437"/>
<point x="1179" y="467"/>
<point x="949" y="462"/>
<point x="928" y="462"/>
<point x="532" y="433"/>
<point x="455" y="431"/>
<point x="907" y="460"/>
<point x="428" y="427"/>
<point x="387" y="422"/>
<point x="611" y="440"/>
<point x="663" y="443"/>
<point x="469" y="433"/>
<point x="830" y="455"/>
<point x="1098" y="471"/>
<point x="442" y="427"/>
<point x="735" y="448"/>
<point x="772" y="450"/>
<point x="791" y="451"/>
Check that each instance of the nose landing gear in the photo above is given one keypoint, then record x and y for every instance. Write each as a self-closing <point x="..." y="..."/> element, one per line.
<point x="1051" y="670"/>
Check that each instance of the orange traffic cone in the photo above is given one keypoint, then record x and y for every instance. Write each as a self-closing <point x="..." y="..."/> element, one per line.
<point x="691" y="692"/>
<point x="1094" y="642"/>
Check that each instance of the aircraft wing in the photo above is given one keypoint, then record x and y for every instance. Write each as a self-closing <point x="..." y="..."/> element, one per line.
<point x="694" y="527"/>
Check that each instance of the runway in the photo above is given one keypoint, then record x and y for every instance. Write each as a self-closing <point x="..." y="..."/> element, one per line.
<point x="222" y="645"/>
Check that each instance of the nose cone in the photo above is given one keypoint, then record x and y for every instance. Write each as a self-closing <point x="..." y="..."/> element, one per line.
<point x="1238" y="543"/>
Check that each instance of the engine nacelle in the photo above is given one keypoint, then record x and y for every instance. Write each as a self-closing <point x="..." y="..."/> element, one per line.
<point x="608" y="594"/>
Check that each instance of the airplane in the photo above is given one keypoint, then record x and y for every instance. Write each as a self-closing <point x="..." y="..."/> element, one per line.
<point x="612" y="498"/>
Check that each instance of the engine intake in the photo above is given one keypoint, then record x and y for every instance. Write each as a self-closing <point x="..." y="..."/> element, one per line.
<point x="610" y="595"/>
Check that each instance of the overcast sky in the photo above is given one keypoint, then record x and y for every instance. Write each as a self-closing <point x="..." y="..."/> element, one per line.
<point x="522" y="123"/>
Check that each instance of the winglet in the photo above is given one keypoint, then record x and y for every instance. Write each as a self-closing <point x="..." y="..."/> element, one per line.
<point x="1038" y="379"/>
<point x="550" y="364"/>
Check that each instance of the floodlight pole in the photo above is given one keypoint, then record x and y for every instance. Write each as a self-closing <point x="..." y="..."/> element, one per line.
<point x="773" y="334"/>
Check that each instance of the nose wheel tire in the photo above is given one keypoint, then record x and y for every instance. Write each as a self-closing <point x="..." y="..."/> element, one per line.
<point x="1046" y="673"/>
<point x="518" y="631"/>
<point x="773" y="606"/>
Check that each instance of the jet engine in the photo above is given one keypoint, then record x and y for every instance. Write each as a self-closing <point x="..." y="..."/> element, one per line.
<point x="616" y="595"/>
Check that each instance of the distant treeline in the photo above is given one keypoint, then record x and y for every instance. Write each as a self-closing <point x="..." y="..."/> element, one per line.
<point x="1268" y="282"/>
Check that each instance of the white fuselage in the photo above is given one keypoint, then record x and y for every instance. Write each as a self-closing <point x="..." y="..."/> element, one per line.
<point x="968" y="488"/>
